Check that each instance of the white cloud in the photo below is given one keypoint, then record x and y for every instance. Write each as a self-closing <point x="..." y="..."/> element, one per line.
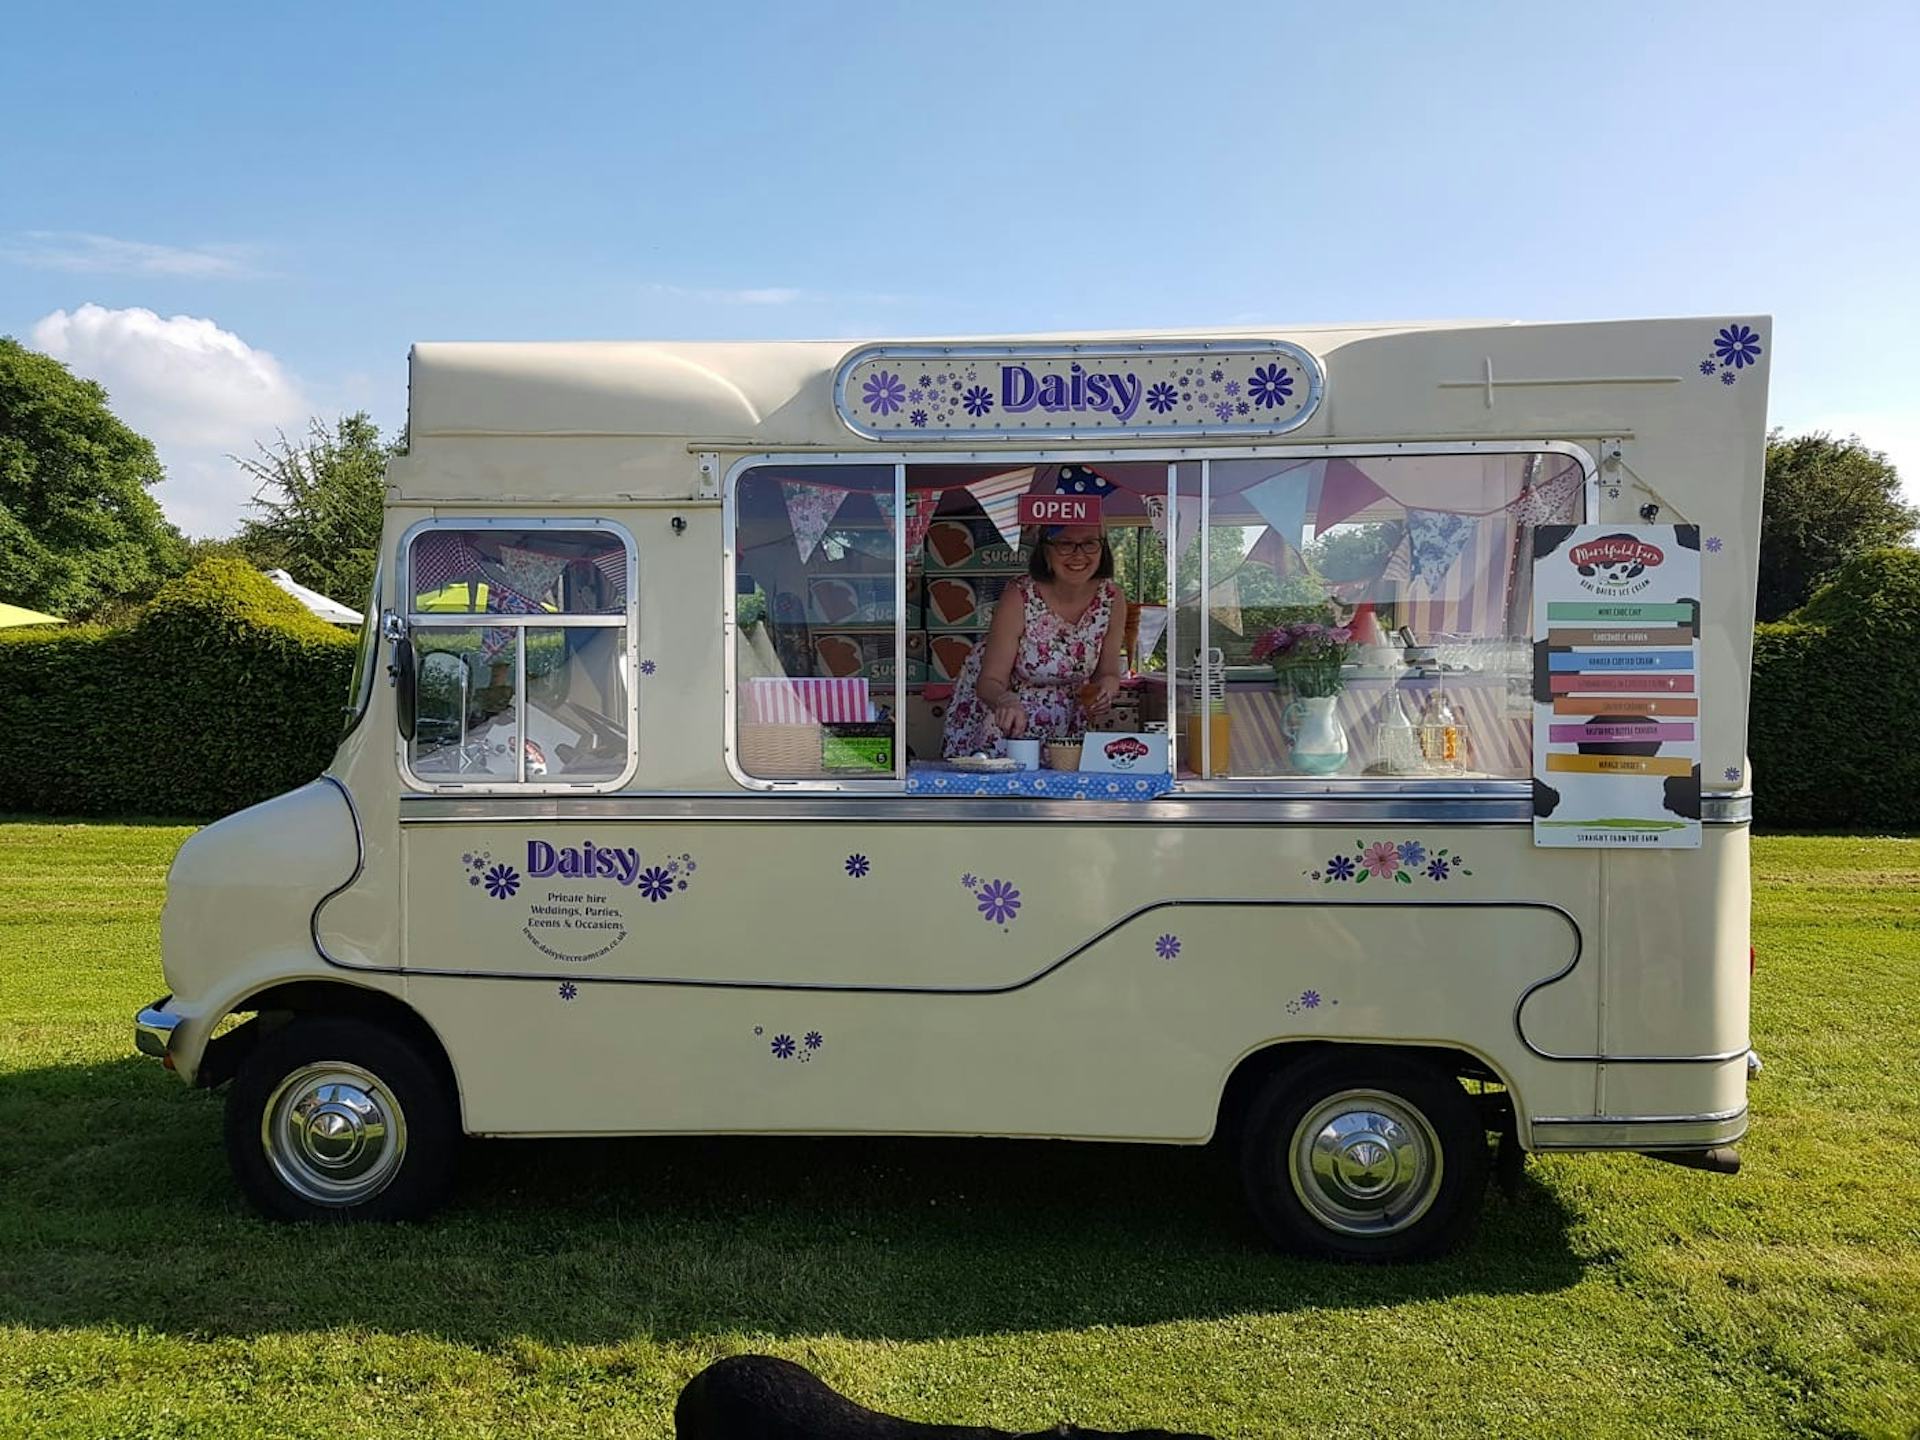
<point x="1897" y="432"/>
<point x="767" y="295"/>
<point x="198" y="392"/>
<point x="104" y="255"/>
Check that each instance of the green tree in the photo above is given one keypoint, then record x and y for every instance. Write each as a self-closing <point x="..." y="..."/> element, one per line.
<point x="321" y="505"/>
<point x="78" y="530"/>
<point x="1826" y="501"/>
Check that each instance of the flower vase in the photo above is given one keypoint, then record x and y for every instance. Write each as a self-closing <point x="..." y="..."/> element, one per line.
<point x="1316" y="742"/>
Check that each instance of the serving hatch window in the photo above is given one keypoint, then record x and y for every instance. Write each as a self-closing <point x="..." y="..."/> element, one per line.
<point x="522" y="663"/>
<point x="1365" y="617"/>
<point x="1292" y="617"/>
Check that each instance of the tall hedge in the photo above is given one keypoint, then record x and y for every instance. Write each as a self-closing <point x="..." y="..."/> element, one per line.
<point x="1835" y="730"/>
<point x="224" y="691"/>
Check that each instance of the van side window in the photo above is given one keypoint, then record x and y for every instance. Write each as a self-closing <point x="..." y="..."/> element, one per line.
<point x="1370" y="616"/>
<point x="521" y="655"/>
<point x="817" y="683"/>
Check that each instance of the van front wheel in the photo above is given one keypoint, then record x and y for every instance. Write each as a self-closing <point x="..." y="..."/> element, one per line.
<point x="337" y="1119"/>
<point x="1364" y="1157"/>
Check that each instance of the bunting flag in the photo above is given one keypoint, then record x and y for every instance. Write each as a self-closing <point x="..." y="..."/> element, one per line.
<point x="1399" y="567"/>
<point x="531" y="575"/>
<point x="999" y="496"/>
<point x="810" y="510"/>
<point x="1083" y="480"/>
<point x="1345" y="493"/>
<point x="1550" y="502"/>
<point x="920" y="507"/>
<point x="1436" y="538"/>
<point x="1282" y="499"/>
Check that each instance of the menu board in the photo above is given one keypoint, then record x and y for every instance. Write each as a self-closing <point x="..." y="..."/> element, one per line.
<point x="1616" y="664"/>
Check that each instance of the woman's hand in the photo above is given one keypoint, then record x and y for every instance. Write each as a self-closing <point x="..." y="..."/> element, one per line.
<point x="1011" y="716"/>
<point x="1107" y="689"/>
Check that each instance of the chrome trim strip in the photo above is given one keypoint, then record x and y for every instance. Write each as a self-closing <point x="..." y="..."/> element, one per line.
<point x="1281" y="349"/>
<point x="1705" y="1118"/>
<point x="1187" y="806"/>
<point x="1638" y="1132"/>
<point x="834" y="987"/>
<point x="891" y="809"/>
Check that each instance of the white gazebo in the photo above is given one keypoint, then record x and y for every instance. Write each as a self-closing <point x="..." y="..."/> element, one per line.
<point x="331" y="611"/>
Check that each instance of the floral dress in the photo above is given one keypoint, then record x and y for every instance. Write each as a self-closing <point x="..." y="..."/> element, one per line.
<point x="1053" y="661"/>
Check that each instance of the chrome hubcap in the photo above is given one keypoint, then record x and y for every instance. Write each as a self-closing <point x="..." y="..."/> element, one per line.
<point x="334" y="1133"/>
<point x="1365" y="1163"/>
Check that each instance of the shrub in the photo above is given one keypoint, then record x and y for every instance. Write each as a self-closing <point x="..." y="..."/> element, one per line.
<point x="1836" y="689"/>
<point x="222" y="692"/>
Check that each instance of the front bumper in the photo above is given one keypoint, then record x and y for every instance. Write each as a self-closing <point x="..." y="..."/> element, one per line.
<point x="153" y="1030"/>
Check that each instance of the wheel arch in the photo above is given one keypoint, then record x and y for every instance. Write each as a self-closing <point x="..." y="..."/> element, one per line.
<point x="278" y="1003"/>
<point x="1259" y="1065"/>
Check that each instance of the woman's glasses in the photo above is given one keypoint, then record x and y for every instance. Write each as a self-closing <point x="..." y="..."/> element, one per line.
<point x="1075" y="547"/>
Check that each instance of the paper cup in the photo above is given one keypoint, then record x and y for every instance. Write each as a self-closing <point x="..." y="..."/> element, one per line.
<point x="1025" y="753"/>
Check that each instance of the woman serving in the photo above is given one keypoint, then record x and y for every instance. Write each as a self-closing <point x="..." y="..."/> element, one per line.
<point x="1050" y="662"/>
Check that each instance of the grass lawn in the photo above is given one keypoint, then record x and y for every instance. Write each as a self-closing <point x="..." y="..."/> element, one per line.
<point x="573" y="1287"/>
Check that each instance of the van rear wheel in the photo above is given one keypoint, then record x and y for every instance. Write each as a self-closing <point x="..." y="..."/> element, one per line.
<point x="336" y="1119"/>
<point x="1364" y="1156"/>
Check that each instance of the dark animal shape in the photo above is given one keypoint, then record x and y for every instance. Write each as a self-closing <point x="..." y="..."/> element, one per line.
<point x="1681" y="794"/>
<point x="1546" y="799"/>
<point x="756" y="1397"/>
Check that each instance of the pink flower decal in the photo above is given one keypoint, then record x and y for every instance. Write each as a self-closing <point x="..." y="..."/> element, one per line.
<point x="1380" y="859"/>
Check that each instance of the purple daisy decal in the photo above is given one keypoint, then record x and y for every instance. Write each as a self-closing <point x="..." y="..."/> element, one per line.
<point x="1240" y="407"/>
<point x="655" y="883"/>
<point x="918" y="419"/>
<point x="1270" y="385"/>
<point x="814" y="1040"/>
<point x="1715" y="544"/>
<point x="978" y="401"/>
<point x="783" y="1047"/>
<point x="647" y="667"/>
<point x="999" y="902"/>
<point x="1412" y="852"/>
<point x="969" y="880"/>
<point x="1224" y="410"/>
<point x="1160" y="398"/>
<point x="883" y="393"/>
<point x="1309" y="999"/>
<point x="858" y="865"/>
<point x="569" y="990"/>
<point x="1340" y="868"/>
<point x="916" y="395"/>
<point x="1217" y="376"/>
<point x="1707" y="367"/>
<point x="502" y="881"/>
<point x="1738" y="346"/>
<point x="1167" y="947"/>
<point x="1233" y="387"/>
<point x="1732" y="772"/>
<point x="1727" y="377"/>
<point x="1438" y="869"/>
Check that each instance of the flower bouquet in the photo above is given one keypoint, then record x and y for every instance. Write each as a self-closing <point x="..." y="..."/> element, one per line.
<point x="1307" y="654"/>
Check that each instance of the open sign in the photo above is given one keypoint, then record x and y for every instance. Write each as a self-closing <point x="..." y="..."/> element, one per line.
<point x="1059" y="509"/>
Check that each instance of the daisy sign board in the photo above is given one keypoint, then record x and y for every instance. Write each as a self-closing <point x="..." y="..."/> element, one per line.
<point x="1616" y="643"/>
<point x="1223" y="388"/>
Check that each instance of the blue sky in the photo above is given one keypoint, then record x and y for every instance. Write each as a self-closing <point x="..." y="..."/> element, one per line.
<point x="297" y="194"/>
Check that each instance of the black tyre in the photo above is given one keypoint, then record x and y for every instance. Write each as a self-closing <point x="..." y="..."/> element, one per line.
<point x="336" y="1119"/>
<point x="1364" y="1155"/>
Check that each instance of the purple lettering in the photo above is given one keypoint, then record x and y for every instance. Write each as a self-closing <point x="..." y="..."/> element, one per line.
<point x="1016" y="388"/>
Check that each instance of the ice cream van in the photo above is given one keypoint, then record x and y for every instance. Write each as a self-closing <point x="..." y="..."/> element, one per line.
<point x="1326" y="742"/>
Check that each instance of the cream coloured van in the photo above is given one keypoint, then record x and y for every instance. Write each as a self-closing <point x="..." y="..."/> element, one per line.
<point x="1421" y="812"/>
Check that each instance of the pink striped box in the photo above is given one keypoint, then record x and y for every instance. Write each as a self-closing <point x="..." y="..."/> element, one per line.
<point x="807" y="701"/>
